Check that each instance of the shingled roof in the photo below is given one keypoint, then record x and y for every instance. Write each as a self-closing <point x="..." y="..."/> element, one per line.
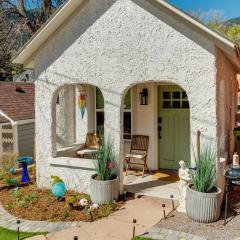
<point x="16" y="101"/>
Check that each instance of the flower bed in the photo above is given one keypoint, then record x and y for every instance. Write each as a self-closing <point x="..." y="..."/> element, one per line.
<point x="29" y="202"/>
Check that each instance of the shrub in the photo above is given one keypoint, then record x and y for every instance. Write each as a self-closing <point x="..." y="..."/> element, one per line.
<point x="30" y="197"/>
<point x="70" y="201"/>
<point x="7" y="161"/>
<point x="10" y="181"/>
<point x="205" y="175"/>
<point x="105" y="165"/>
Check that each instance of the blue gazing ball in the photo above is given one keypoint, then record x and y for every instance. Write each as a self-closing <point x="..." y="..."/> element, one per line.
<point x="58" y="189"/>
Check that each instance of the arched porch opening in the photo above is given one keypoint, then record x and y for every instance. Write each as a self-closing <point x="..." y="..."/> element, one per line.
<point x="164" y="116"/>
<point x="78" y="111"/>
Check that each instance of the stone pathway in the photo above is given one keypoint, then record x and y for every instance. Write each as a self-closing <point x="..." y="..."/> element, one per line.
<point x="119" y="225"/>
<point x="9" y="221"/>
<point x="157" y="233"/>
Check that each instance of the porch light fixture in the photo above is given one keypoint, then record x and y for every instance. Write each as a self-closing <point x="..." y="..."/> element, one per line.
<point x="143" y="97"/>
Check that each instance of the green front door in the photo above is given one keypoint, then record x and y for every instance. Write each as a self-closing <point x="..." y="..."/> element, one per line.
<point x="173" y="126"/>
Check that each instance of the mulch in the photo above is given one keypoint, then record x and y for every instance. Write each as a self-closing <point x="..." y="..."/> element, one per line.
<point x="32" y="203"/>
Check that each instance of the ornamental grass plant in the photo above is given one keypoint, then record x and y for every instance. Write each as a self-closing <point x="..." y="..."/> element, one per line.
<point x="204" y="178"/>
<point x="105" y="164"/>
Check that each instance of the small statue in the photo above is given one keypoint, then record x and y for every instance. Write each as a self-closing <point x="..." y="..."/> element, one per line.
<point x="184" y="175"/>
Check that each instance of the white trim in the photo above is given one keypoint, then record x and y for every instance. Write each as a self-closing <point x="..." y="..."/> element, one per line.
<point x="197" y="23"/>
<point x="7" y="117"/>
<point x="21" y="122"/>
<point x="15" y="138"/>
<point x="46" y="31"/>
<point x="25" y="54"/>
<point x="72" y="162"/>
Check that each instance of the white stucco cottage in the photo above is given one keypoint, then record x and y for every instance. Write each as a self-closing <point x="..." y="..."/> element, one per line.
<point x="109" y="52"/>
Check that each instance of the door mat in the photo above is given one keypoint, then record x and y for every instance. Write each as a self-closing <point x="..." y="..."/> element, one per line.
<point x="166" y="176"/>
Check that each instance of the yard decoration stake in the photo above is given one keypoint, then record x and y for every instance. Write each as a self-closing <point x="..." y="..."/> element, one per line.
<point x="82" y="103"/>
<point x="171" y="196"/>
<point x="18" y="232"/>
<point x="164" y="212"/>
<point x="134" y="227"/>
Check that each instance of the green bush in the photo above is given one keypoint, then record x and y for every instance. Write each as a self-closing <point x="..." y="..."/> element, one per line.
<point x="105" y="165"/>
<point x="205" y="175"/>
<point x="10" y="181"/>
<point x="70" y="201"/>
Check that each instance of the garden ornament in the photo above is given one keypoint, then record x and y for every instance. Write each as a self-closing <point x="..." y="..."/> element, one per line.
<point x="93" y="207"/>
<point x="25" y="161"/>
<point x="58" y="190"/>
<point x="184" y="176"/>
<point x="83" y="202"/>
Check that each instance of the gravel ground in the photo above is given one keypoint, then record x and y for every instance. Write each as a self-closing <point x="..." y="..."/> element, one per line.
<point x="180" y="222"/>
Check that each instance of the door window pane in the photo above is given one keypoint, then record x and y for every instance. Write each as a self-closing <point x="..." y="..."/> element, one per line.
<point x="166" y="104"/>
<point x="185" y="104"/>
<point x="184" y="95"/>
<point x="166" y="95"/>
<point x="176" y="95"/>
<point x="176" y="104"/>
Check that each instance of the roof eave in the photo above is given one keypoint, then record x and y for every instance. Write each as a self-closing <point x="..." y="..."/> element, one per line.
<point x="25" y="54"/>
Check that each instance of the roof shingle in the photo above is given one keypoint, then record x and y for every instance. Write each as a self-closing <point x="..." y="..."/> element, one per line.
<point x="17" y="104"/>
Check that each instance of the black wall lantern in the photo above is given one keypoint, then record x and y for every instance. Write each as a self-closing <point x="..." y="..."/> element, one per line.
<point x="143" y="97"/>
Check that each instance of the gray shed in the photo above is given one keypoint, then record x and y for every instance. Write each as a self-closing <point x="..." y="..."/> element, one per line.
<point x="17" y="118"/>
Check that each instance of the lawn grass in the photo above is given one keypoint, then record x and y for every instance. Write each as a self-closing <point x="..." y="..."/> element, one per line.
<point x="6" y="234"/>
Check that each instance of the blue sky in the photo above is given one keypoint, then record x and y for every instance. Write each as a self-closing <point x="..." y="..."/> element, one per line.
<point x="230" y="8"/>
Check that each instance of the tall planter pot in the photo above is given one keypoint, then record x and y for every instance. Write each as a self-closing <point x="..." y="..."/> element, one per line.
<point x="203" y="207"/>
<point x="104" y="191"/>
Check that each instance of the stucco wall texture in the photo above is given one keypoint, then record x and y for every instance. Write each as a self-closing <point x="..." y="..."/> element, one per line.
<point x="115" y="44"/>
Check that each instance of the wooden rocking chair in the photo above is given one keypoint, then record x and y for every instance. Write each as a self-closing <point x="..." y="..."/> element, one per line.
<point x="91" y="146"/>
<point x="138" y="151"/>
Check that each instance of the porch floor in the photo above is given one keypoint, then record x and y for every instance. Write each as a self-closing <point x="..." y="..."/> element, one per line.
<point x="161" y="184"/>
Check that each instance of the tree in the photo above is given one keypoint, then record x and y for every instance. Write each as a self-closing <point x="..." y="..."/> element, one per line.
<point x="215" y="19"/>
<point x="233" y="32"/>
<point x="20" y="19"/>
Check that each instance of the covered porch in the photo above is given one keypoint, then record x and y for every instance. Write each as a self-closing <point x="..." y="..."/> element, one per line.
<point x="164" y="116"/>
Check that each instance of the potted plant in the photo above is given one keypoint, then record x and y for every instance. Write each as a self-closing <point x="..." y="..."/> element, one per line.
<point x="104" y="185"/>
<point x="203" y="198"/>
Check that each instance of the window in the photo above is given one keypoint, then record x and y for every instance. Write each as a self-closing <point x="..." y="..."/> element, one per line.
<point x="99" y="112"/>
<point x="175" y="100"/>
<point x="127" y="116"/>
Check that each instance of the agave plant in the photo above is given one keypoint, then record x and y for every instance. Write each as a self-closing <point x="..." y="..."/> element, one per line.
<point x="205" y="175"/>
<point x="105" y="165"/>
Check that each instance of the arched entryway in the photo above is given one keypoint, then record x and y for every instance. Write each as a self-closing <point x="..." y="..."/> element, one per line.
<point x="164" y="116"/>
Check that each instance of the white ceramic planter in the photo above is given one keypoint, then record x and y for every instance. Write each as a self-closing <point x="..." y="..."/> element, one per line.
<point x="103" y="191"/>
<point x="203" y="207"/>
